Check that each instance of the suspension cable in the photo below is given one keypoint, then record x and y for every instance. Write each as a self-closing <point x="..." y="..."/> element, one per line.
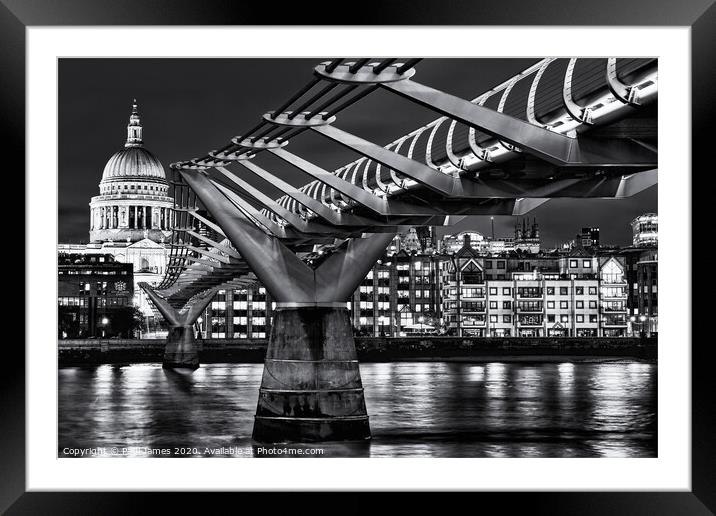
<point x="326" y="89"/>
<point x="408" y="65"/>
<point x="348" y="88"/>
<point x="350" y="101"/>
<point x="382" y="66"/>
<point x="297" y="96"/>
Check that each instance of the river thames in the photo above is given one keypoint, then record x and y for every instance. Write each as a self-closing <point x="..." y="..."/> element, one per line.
<point x="417" y="409"/>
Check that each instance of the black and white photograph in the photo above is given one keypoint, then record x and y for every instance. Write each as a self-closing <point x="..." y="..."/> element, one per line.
<point x="357" y="257"/>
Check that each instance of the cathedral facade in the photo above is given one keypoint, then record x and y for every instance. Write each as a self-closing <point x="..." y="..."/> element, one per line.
<point x="132" y="216"/>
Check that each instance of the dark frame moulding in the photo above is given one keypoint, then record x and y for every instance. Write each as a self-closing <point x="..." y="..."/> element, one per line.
<point x="17" y="15"/>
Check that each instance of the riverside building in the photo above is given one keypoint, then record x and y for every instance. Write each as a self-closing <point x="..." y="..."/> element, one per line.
<point x="131" y="219"/>
<point x="578" y="295"/>
<point x="94" y="296"/>
<point x="583" y="292"/>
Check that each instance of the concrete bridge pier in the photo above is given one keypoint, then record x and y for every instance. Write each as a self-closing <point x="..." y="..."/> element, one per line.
<point x="311" y="388"/>
<point x="180" y="351"/>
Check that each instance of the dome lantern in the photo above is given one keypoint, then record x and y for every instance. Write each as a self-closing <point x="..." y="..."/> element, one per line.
<point x="134" y="128"/>
<point x="134" y="161"/>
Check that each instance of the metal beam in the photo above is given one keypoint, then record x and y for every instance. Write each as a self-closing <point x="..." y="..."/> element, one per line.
<point x="315" y="205"/>
<point x="292" y="218"/>
<point x="216" y="256"/>
<point x="257" y="218"/>
<point x="341" y="273"/>
<point x="224" y="249"/>
<point x="201" y="261"/>
<point x="285" y="276"/>
<point x="206" y="221"/>
<point x="170" y="314"/>
<point x="548" y="145"/>
<point x="309" y="202"/>
<point x="364" y="198"/>
<point x="443" y="184"/>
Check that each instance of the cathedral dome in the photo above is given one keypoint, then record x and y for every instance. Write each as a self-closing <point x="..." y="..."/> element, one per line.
<point x="133" y="202"/>
<point x="134" y="161"/>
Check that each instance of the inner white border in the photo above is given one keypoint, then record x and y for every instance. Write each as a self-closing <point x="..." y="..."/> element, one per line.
<point x="672" y="468"/>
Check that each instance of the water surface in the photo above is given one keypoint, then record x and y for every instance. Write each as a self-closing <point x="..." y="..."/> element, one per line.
<point x="417" y="409"/>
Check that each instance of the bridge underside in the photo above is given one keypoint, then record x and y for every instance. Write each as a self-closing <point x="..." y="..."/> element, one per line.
<point x="491" y="156"/>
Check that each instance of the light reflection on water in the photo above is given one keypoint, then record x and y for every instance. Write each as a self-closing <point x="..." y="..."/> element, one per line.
<point x="417" y="409"/>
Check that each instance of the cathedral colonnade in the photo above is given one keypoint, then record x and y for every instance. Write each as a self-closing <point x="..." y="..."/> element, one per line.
<point x="131" y="216"/>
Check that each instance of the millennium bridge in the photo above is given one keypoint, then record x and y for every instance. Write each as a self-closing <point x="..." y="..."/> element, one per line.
<point x="563" y="128"/>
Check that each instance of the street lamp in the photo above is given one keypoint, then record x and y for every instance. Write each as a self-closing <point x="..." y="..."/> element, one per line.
<point x="105" y="322"/>
<point x="381" y="320"/>
<point x="199" y="321"/>
<point x="642" y="328"/>
<point x="642" y="319"/>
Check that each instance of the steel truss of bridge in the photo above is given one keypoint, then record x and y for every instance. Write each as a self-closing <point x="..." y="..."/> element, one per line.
<point x="563" y="128"/>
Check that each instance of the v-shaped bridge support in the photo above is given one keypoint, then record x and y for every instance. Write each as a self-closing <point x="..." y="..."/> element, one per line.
<point x="311" y="388"/>
<point x="180" y="350"/>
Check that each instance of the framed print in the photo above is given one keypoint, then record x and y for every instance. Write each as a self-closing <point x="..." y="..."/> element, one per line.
<point x="419" y="252"/>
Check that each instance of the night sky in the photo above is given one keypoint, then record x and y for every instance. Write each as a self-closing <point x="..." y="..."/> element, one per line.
<point x="191" y="106"/>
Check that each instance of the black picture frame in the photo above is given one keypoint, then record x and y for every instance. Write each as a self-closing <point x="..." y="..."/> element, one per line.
<point x="17" y="15"/>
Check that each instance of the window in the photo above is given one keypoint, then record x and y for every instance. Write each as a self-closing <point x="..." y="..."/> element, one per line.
<point x="564" y="304"/>
<point x="529" y="292"/>
<point x="612" y="273"/>
<point x="612" y="292"/>
<point x="507" y="318"/>
<point x="592" y="291"/>
<point x="573" y="264"/>
<point x="580" y="304"/>
<point x="550" y="304"/>
<point x="472" y="292"/>
<point x="564" y="318"/>
<point x="493" y="318"/>
<point x="507" y="304"/>
<point x="493" y="291"/>
<point x="592" y="304"/>
<point x="579" y="291"/>
<point x="580" y="318"/>
<point x="506" y="291"/>
<point x="550" y="291"/>
<point x="563" y="291"/>
<point x="550" y="318"/>
<point x="587" y="264"/>
<point x="593" y="318"/>
<point x="493" y="304"/>
<point x="500" y="264"/>
<point x="472" y="277"/>
<point x="488" y="264"/>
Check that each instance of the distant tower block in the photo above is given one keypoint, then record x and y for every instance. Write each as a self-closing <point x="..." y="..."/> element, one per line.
<point x="645" y="230"/>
